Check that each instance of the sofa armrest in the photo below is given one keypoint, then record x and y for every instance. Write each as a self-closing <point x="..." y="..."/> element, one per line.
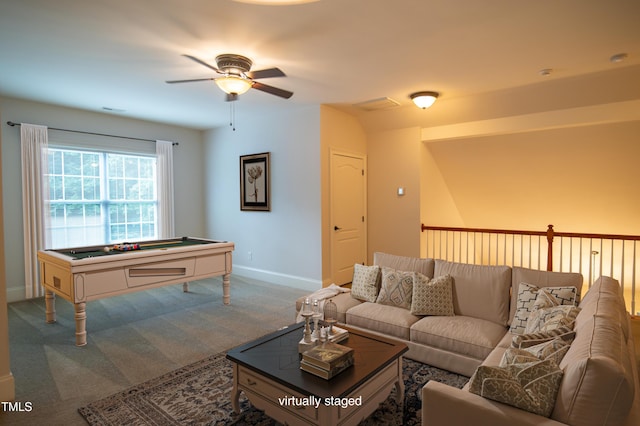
<point x="444" y="405"/>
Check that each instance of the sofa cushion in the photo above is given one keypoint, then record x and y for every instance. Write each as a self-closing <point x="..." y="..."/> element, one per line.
<point x="384" y="319"/>
<point x="531" y="296"/>
<point x="532" y="387"/>
<point x="554" y="350"/>
<point x="542" y="279"/>
<point x="396" y="288"/>
<point x="598" y="384"/>
<point x="469" y="336"/>
<point x="404" y="263"/>
<point x="365" y="282"/>
<point x="432" y="296"/>
<point x="479" y="291"/>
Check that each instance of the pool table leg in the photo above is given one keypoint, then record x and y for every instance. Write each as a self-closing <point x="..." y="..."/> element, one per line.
<point x="81" y="323"/>
<point x="50" y="306"/>
<point x="226" y="285"/>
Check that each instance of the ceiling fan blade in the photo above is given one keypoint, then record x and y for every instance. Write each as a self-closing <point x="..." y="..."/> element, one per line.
<point x="201" y="62"/>
<point x="272" y="90"/>
<point x="266" y="73"/>
<point x="189" y="81"/>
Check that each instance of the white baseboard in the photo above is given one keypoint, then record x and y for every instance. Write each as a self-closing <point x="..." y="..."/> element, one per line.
<point x="277" y="278"/>
<point x="7" y="388"/>
<point x="15" y="294"/>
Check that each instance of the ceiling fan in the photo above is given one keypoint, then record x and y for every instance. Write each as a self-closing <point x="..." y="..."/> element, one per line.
<point x="236" y="77"/>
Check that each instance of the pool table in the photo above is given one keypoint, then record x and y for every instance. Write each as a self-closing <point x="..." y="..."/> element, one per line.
<point x="83" y="274"/>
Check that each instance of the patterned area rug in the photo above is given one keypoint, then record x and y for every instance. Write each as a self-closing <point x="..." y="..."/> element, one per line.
<point x="199" y="394"/>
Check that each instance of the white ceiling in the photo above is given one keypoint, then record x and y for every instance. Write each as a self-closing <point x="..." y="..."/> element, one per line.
<point x="118" y="53"/>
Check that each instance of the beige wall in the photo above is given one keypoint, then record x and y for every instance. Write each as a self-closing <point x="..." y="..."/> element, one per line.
<point x="394" y="221"/>
<point x="580" y="179"/>
<point x="339" y="132"/>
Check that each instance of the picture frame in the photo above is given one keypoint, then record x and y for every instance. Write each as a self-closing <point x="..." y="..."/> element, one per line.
<point x="255" y="181"/>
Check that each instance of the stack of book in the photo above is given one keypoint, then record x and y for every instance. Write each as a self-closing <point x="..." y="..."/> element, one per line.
<point x="327" y="359"/>
<point x="338" y="334"/>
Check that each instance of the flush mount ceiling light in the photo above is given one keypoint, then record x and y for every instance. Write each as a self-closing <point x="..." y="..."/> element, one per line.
<point x="619" y="57"/>
<point x="424" y="99"/>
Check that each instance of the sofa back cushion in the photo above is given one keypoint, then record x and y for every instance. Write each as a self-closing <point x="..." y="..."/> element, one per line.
<point x="478" y="291"/>
<point x="598" y="383"/>
<point x="541" y="279"/>
<point x="404" y="263"/>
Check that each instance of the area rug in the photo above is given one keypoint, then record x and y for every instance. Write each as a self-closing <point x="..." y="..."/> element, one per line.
<point x="199" y="394"/>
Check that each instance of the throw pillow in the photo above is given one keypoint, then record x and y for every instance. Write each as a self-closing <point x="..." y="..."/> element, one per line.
<point x="396" y="288"/>
<point x="527" y="296"/>
<point x="364" y="285"/>
<point x="554" y="350"/>
<point x="547" y="319"/>
<point x="432" y="296"/>
<point x="522" y="341"/>
<point x="517" y="356"/>
<point x="532" y="387"/>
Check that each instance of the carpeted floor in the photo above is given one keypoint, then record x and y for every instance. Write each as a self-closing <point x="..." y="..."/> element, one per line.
<point x="131" y="339"/>
<point x="199" y="394"/>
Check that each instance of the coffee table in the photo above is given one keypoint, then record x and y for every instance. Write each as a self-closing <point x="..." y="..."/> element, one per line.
<point x="268" y="371"/>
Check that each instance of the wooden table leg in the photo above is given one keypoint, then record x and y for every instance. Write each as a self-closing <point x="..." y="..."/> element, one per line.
<point x="81" y="323"/>
<point x="50" y="306"/>
<point x="400" y="384"/>
<point x="235" y="392"/>
<point x="226" y="285"/>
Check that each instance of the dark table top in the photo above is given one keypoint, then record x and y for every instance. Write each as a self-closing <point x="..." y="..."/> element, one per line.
<point x="276" y="356"/>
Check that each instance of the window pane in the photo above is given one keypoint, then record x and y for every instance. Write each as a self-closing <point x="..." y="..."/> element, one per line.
<point x="131" y="167"/>
<point x="131" y="189"/>
<point x="91" y="164"/>
<point x="72" y="188"/>
<point x="72" y="163"/>
<point x="91" y="188"/>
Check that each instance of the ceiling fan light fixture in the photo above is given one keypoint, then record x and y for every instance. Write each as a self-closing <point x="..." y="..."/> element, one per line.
<point x="424" y="99"/>
<point x="232" y="84"/>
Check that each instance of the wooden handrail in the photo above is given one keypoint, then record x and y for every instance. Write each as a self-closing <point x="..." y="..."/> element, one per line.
<point x="622" y="246"/>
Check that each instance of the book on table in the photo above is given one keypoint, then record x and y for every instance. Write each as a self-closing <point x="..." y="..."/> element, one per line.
<point x="328" y="355"/>
<point x="326" y="374"/>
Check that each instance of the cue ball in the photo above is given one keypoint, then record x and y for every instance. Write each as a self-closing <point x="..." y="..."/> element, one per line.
<point x="106" y="249"/>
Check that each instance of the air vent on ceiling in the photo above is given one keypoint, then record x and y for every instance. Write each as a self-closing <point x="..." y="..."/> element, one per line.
<point x="377" y="104"/>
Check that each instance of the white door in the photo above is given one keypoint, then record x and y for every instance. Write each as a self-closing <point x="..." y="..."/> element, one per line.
<point x="348" y="209"/>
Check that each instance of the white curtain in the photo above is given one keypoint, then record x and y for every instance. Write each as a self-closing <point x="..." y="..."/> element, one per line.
<point x="164" y="171"/>
<point x="34" y="142"/>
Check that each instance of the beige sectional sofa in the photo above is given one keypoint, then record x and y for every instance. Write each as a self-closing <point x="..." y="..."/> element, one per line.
<point x="599" y="383"/>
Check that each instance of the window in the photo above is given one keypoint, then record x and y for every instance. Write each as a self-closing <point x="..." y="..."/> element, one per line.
<point x="100" y="197"/>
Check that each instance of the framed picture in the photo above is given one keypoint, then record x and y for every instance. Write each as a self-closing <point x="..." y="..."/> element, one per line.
<point x="255" y="191"/>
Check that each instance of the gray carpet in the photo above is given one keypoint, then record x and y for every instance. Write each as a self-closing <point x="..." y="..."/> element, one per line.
<point x="131" y="339"/>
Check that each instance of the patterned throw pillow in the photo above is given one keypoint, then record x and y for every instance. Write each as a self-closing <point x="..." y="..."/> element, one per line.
<point x="396" y="289"/>
<point x="432" y="296"/>
<point x="522" y="341"/>
<point x="527" y="296"/>
<point x="532" y="387"/>
<point x="364" y="285"/>
<point x="554" y="350"/>
<point x="547" y="319"/>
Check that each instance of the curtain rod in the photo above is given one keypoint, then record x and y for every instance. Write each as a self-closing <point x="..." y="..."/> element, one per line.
<point x="12" y="124"/>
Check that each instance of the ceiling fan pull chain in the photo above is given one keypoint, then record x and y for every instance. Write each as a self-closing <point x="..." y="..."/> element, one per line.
<point x="232" y="115"/>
